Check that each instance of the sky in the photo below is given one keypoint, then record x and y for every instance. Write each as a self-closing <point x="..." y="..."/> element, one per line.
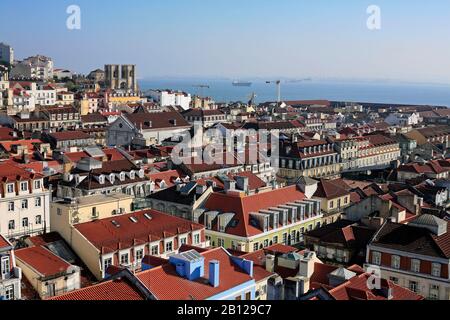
<point x="238" y="38"/>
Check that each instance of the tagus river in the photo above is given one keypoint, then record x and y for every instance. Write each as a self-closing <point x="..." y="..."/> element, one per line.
<point x="381" y="92"/>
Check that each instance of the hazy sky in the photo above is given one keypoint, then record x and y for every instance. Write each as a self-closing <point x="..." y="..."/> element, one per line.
<point x="238" y="38"/>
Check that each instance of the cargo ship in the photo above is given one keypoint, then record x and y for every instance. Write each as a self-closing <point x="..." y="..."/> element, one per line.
<point x="241" y="84"/>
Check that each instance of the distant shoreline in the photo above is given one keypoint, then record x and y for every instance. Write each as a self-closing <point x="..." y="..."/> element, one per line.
<point x="387" y="92"/>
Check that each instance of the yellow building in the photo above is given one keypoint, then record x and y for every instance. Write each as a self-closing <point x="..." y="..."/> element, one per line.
<point x="118" y="99"/>
<point x="252" y="222"/>
<point x="101" y="230"/>
<point x="49" y="274"/>
<point x="65" y="214"/>
<point x="334" y="198"/>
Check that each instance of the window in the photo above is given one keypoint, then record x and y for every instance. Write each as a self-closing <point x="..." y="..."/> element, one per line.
<point x="255" y="246"/>
<point x="10" y="188"/>
<point x="394" y="279"/>
<point x="139" y="254"/>
<point x="38" y="219"/>
<point x="220" y="242"/>
<point x="285" y="236"/>
<point x="275" y="240"/>
<point x="434" y="292"/>
<point x="266" y="243"/>
<point x="376" y="258"/>
<point x="124" y="259"/>
<point x="106" y="263"/>
<point x="413" y="286"/>
<point x="436" y="269"/>
<point x="183" y="240"/>
<point x="11" y="225"/>
<point x="25" y="204"/>
<point x="248" y="296"/>
<point x="196" y="239"/>
<point x="331" y="204"/>
<point x="395" y="262"/>
<point x="11" y="206"/>
<point x="23" y="186"/>
<point x="155" y="250"/>
<point x="37" y="202"/>
<point x="169" y="246"/>
<point x="5" y="266"/>
<point x="58" y="211"/>
<point x="415" y="265"/>
<point x="94" y="212"/>
<point x="9" y="293"/>
<point x="25" y="222"/>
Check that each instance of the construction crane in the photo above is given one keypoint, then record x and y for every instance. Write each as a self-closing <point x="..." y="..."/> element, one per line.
<point x="251" y="98"/>
<point x="278" y="84"/>
<point x="202" y="87"/>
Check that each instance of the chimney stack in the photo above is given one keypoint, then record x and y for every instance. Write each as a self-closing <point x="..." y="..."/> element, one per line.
<point x="214" y="270"/>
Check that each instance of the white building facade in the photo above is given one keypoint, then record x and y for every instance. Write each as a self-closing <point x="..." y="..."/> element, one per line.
<point x="24" y="203"/>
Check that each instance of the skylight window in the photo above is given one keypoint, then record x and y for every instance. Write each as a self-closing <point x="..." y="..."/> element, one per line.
<point x="115" y="223"/>
<point x="147" y="216"/>
<point x="134" y="219"/>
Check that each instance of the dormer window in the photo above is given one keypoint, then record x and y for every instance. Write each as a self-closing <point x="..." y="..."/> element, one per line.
<point x="122" y="176"/>
<point x="141" y="173"/>
<point x="101" y="179"/>
<point x="132" y="175"/>
<point x="37" y="184"/>
<point x="10" y="188"/>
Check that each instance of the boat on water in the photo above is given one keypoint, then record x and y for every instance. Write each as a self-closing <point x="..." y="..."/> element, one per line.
<point x="241" y="84"/>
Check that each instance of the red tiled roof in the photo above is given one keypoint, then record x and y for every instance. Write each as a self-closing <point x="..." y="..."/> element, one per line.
<point x="69" y="135"/>
<point x="242" y="206"/>
<point x="3" y="242"/>
<point x="331" y="189"/>
<point x="356" y="289"/>
<point x="165" y="284"/>
<point x="280" y="248"/>
<point x="42" y="260"/>
<point x="105" y="236"/>
<point x="114" y="290"/>
<point x="161" y="281"/>
<point x="7" y="145"/>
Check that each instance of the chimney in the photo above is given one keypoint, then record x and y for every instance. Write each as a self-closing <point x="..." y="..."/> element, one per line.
<point x="307" y="264"/>
<point x="387" y="292"/>
<point x="242" y="183"/>
<point x="230" y="185"/>
<point x="270" y="263"/>
<point x="214" y="270"/>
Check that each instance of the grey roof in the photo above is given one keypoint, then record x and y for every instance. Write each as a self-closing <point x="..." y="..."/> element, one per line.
<point x="94" y="152"/>
<point x="428" y="220"/>
<point x="307" y="181"/>
<point x="343" y="273"/>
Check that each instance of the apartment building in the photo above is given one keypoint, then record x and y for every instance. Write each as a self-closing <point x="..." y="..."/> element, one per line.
<point x="248" y="223"/>
<point x="124" y="239"/>
<point x="24" y="202"/>
<point x="10" y="274"/>
<point x="314" y="159"/>
<point x="415" y="256"/>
